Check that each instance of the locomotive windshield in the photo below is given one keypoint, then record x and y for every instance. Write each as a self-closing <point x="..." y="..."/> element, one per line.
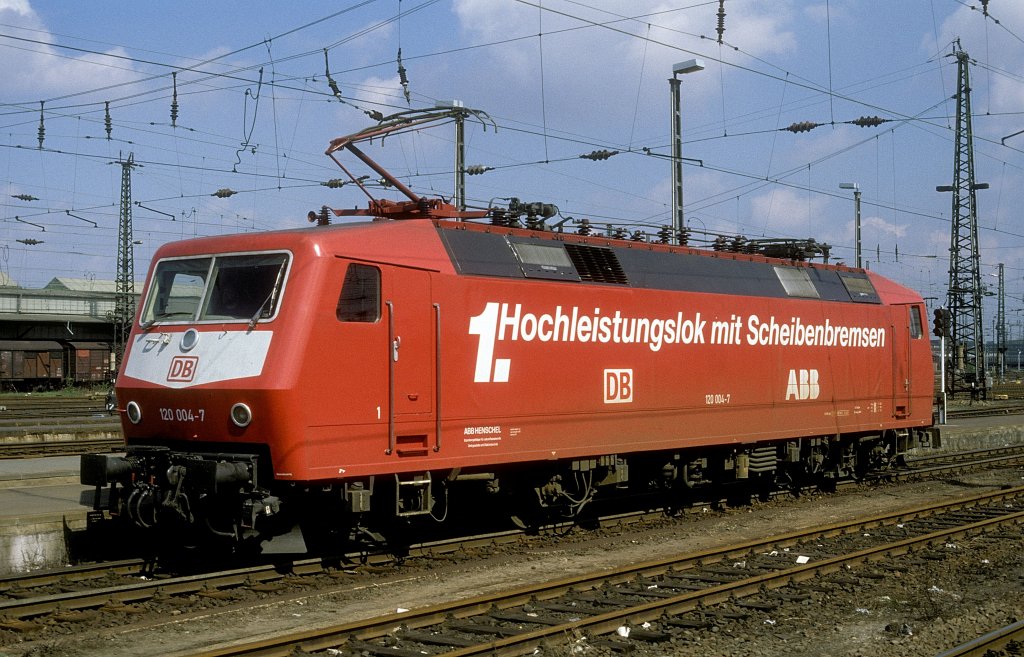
<point x="225" y="288"/>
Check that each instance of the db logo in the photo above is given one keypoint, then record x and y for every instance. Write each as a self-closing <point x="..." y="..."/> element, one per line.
<point x="618" y="386"/>
<point x="183" y="368"/>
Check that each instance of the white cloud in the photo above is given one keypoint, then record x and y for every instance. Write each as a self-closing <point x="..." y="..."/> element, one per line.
<point x="35" y="67"/>
<point x="20" y="7"/>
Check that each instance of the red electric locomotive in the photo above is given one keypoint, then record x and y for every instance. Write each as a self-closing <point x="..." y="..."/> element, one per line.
<point x="354" y="375"/>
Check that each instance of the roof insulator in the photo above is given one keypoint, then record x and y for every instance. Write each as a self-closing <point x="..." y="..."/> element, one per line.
<point x="598" y="155"/>
<point x="477" y="169"/>
<point x="224" y="192"/>
<point x="108" y="124"/>
<point x="869" y="121"/>
<point x="803" y="126"/>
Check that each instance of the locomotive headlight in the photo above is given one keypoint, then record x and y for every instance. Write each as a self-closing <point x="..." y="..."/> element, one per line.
<point x="241" y="415"/>
<point x="134" y="412"/>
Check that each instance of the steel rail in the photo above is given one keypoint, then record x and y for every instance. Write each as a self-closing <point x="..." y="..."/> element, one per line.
<point x="988" y="644"/>
<point x="37" y="448"/>
<point x="522" y="643"/>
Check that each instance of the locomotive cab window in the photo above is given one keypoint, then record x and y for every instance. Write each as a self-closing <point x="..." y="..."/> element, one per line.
<point x="228" y="288"/>
<point x="360" y="295"/>
<point x="245" y="287"/>
<point x="176" y="290"/>
<point x="916" y="329"/>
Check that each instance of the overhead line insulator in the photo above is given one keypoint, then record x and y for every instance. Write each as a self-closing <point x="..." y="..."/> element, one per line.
<point x="598" y="155"/>
<point x="108" y="123"/>
<point x="477" y="169"/>
<point x="174" y="100"/>
<point x="802" y="126"/>
<point x="42" y="127"/>
<point x="224" y="192"/>
<point x="721" y="20"/>
<point x="869" y="121"/>
<point x="403" y="77"/>
<point x="330" y="81"/>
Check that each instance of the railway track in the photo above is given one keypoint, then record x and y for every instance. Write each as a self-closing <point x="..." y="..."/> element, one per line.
<point x="38" y="448"/>
<point x="1008" y="640"/>
<point x="33" y="407"/>
<point x="34" y="426"/>
<point x="993" y="410"/>
<point x="652" y="602"/>
<point x="32" y="602"/>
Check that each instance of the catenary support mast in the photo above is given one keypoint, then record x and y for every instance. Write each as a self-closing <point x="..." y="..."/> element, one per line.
<point x="124" y="303"/>
<point x="966" y="367"/>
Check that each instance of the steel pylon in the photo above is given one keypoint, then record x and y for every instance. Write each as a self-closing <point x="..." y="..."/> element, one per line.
<point x="124" y="302"/>
<point x="965" y="370"/>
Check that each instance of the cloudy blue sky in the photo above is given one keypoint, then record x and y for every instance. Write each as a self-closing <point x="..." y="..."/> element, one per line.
<point x="559" y="78"/>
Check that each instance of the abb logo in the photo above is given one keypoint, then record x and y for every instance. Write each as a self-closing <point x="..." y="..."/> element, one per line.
<point x="618" y="386"/>
<point x="803" y="384"/>
<point x="183" y="368"/>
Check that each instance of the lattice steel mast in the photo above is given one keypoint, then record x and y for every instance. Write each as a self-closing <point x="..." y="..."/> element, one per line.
<point x="1001" y="327"/>
<point x="124" y="303"/>
<point x="966" y="368"/>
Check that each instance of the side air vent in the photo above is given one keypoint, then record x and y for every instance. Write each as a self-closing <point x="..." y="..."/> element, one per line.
<point x="596" y="264"/>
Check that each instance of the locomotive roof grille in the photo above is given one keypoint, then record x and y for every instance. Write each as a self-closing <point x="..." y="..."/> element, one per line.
<point x="481" y="252"/>
<point x="596" y="264"/>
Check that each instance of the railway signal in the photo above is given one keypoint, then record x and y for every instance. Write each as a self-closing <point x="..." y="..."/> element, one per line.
<point x="941" y="323"/>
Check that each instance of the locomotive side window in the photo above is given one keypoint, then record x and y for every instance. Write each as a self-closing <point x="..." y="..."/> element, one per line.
<point x="360" y="295"/>
<point x="797" y="282"/>
<point x="916" y="330"/>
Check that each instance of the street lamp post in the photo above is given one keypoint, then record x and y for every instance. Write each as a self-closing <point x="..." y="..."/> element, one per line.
<point x="689" y="66"/>
<point x="856" y="218"/>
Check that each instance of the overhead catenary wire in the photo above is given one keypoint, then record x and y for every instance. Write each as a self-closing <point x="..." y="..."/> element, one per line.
<point x="545" y="130"/>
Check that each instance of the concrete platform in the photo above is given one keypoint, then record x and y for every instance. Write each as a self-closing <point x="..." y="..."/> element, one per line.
<point x="42" y="505"/>
<point x="980" y="432"/>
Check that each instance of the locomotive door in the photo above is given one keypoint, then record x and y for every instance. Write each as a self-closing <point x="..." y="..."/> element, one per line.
<point x="900" y="330"/>
<point x="411" y="360"/>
